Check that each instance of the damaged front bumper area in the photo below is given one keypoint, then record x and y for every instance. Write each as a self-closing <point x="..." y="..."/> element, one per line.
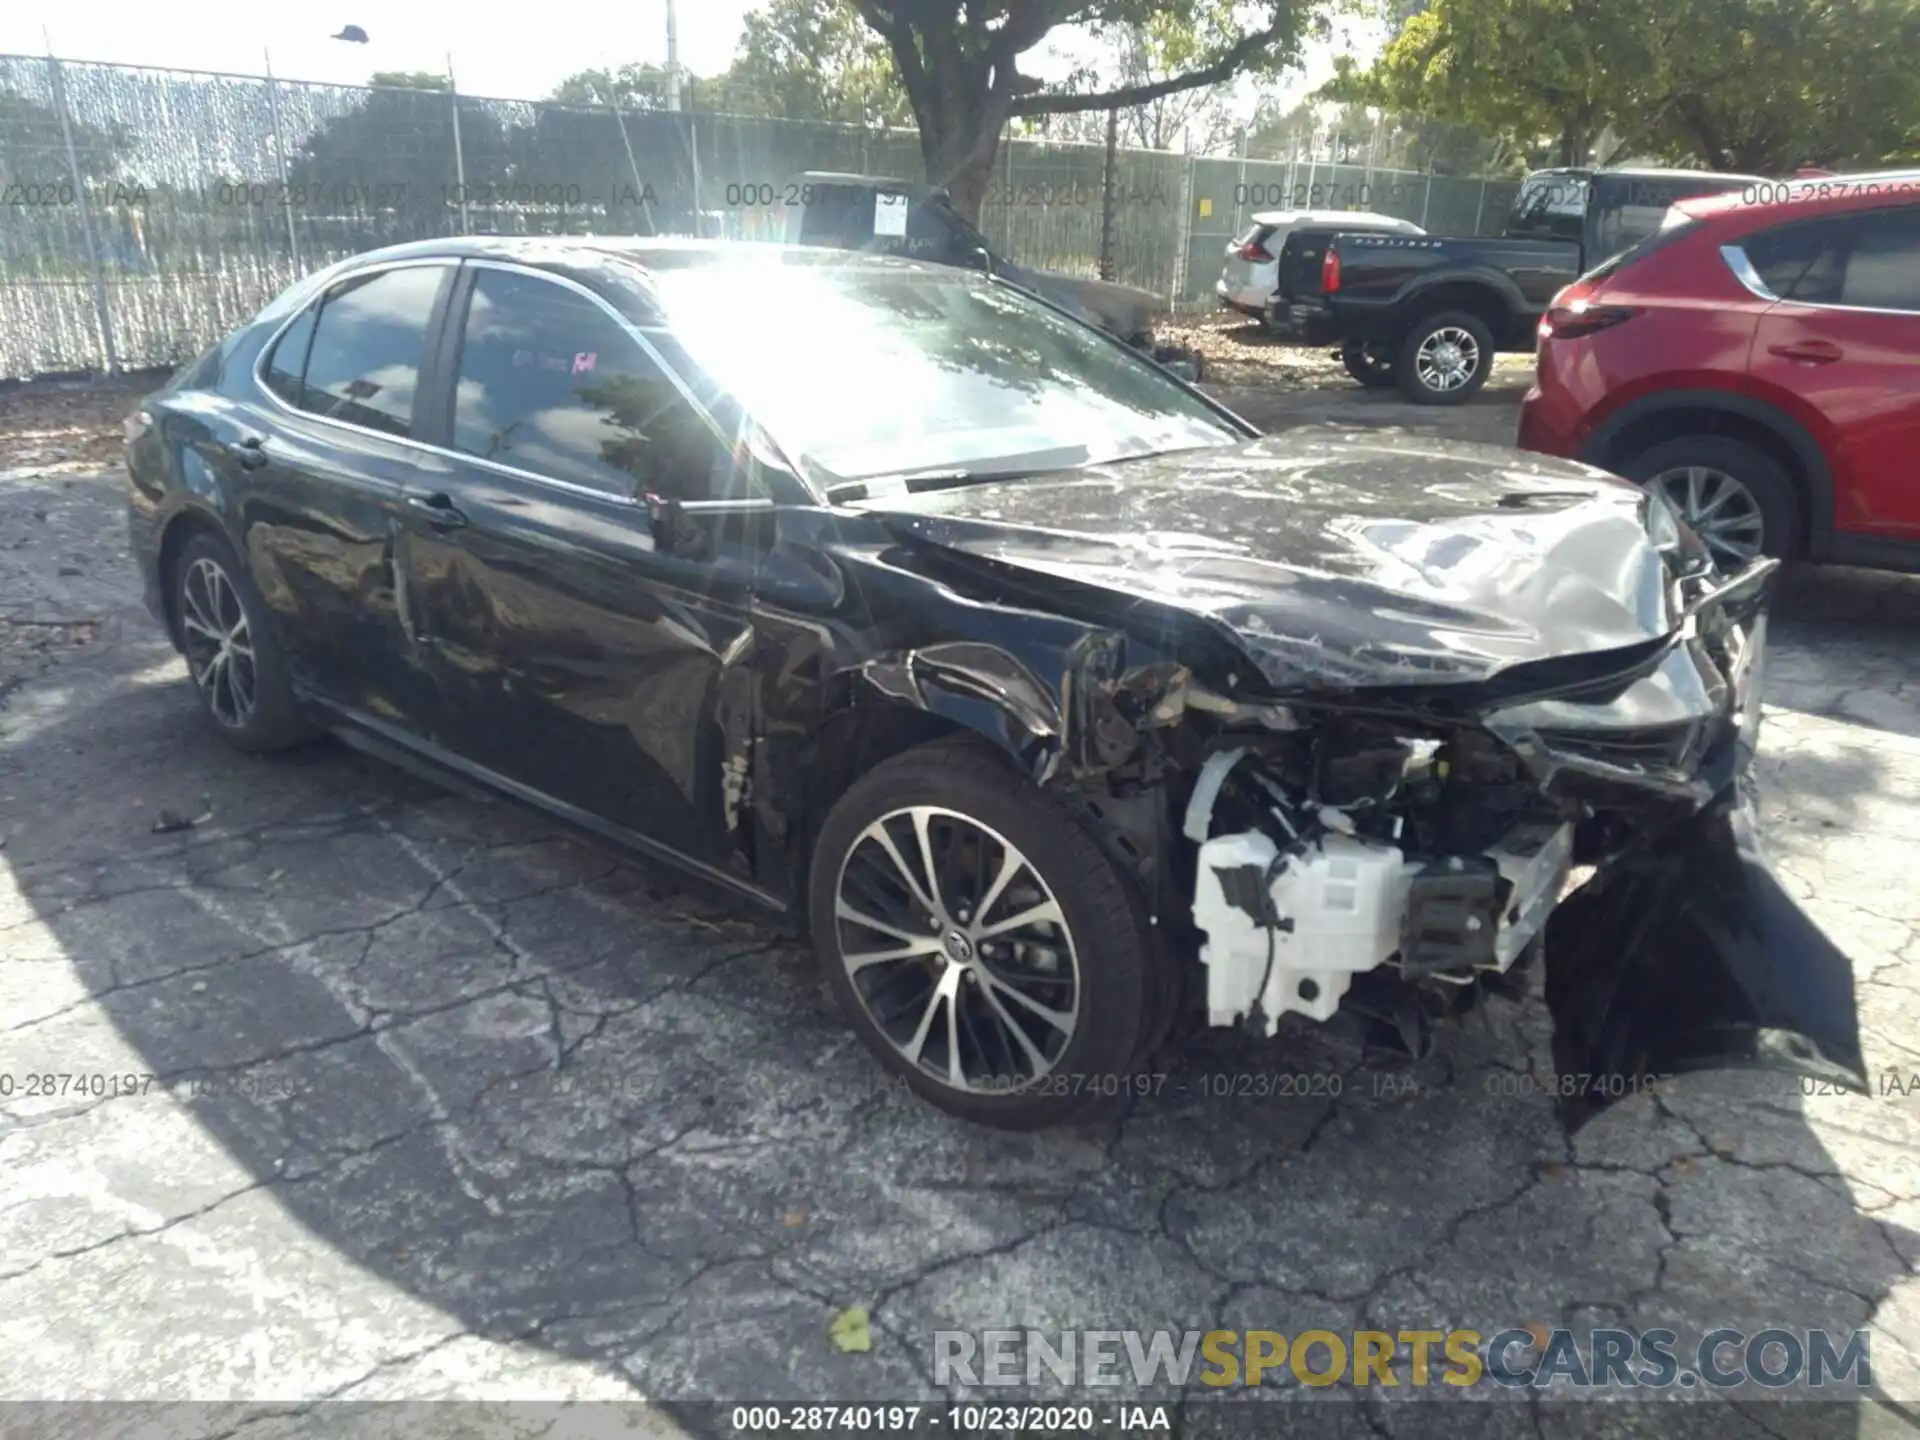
<point x="1401" y="854"/>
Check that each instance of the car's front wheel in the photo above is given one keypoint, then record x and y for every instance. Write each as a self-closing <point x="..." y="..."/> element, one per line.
<point x="232" y="654"/>
<point x="980" y="941"/>
<point x="1444" y="359"/>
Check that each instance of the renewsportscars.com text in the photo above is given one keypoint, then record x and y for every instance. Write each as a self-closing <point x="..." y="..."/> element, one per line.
<point x="1532" y="1357"/>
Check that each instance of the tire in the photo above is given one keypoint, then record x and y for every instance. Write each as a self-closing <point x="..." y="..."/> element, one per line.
<point x="1093" y="966"/>
<point x="244" y="691"/>
<point x="1371" y="365"/>
<point x="1415" y="377"/>
<point x="1749" y="501"/>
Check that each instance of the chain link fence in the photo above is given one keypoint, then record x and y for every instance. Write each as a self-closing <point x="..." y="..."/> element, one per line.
<point x="144" y="213"/>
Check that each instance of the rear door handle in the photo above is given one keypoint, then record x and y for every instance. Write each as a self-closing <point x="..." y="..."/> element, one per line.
<point x="437" y="509"/>
<point x="249" y="451"/>
<point x="1808" y="352"/>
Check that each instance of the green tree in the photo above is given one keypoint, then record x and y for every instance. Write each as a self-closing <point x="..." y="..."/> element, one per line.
<point x="631" y="87"/>
<point x="959" y="62"/>
<point x="811" y="60"/>
<point x="396" y="141"/>
<point x="1138" y="54"/>
<point x="1767" y="85"/>
<point x="33" y="147"/>
<point x="1523" y="68"/>
<point x="1755" y="85"/>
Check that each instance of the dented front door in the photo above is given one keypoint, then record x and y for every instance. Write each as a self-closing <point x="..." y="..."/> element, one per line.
<point x="1688" y="954"/>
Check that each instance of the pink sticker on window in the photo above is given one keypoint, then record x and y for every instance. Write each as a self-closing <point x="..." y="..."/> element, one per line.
<point x="585" y="361"/>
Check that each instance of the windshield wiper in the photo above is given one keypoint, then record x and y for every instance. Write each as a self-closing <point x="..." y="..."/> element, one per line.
<point x="913" y="481"/>
<point x="919" y="480"/>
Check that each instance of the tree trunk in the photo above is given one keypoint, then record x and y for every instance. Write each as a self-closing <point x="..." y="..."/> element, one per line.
<point x="960" y="108"/>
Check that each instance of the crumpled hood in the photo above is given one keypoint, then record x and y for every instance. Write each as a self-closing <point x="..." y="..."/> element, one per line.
<point x="1335" y="560"/>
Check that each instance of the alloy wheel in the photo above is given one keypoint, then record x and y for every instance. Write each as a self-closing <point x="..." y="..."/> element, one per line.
<point x="1717" y="507"/>
<point x="957" y="950"/>
<point x="218" y="644"/>
<point x="1447" y="359"/>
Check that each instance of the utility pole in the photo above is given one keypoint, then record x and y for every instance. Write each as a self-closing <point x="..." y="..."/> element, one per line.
<point x="673" y="59"/>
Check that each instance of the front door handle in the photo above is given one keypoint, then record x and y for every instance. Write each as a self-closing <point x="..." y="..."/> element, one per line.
<point x="437" y="509"/>
<point x="1808" y="352"/>
<point x="249" y="451"/>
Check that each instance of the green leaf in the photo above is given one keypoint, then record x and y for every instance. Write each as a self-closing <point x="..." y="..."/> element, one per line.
<point x="848" y="1329"/>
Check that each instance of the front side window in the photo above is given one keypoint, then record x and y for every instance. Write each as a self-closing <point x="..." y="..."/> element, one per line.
<point x="1883" y="272"/>
<point x="860" y="371"/>
<point x="549" y="382"/>
<point x="368" y="344"/>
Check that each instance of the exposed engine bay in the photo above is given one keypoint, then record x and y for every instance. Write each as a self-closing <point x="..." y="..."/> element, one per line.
<point x="1364" y="849"/>
<point x="1399" y="853"/>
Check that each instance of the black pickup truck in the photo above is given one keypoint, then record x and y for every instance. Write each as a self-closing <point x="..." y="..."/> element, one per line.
<point x="1428" y="312"/>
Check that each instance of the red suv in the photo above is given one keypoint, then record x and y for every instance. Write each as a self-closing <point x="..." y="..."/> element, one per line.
<point x="1757" y="362"/>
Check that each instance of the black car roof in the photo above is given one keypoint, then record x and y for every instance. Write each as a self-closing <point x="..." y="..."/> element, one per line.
<point x="644" y="252"/>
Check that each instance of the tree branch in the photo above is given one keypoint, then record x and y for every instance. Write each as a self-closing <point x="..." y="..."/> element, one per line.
<point x="1223" y="69"/>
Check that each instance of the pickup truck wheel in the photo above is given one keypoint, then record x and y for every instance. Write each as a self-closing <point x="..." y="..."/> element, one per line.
<point x="1370" y="364"/>
<point x="981" y="942"/>
<point x="1735" y="497"/>
<point x="1444" y="358"/>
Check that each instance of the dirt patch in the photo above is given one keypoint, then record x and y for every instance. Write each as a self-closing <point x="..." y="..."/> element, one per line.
<point x="67" y="426"/>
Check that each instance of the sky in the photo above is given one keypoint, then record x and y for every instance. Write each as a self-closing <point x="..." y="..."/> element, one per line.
<point x="511" y="50"/>
<point x="507" y="50"/>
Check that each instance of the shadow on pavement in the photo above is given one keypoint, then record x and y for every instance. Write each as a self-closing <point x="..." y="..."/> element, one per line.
<point x="467" y="1079"/>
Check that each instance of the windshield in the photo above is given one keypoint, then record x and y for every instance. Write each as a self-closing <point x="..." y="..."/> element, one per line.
<point x="859" y="372"/>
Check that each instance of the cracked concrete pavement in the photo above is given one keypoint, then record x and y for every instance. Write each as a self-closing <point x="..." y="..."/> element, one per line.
<point x="432" y="1100"/>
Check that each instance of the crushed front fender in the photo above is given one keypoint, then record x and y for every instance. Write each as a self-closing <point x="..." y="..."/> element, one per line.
<point x="1685" y="954"/>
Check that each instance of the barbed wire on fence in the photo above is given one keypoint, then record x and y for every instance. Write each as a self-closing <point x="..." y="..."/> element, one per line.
<point x="145" y="212"/>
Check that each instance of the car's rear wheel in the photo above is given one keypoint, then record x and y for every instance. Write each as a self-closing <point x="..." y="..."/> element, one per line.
<point x="1736" y="497"/>
<point x="1445" y="358"/>
<point x="980" y="941"/>
<point x="1369" y="363"/>
<point x="238" y="668"/>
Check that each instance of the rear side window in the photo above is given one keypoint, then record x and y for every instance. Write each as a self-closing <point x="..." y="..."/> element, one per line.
<point x="551" y="383"/>
<point x="1883" y="272"/>
<point x="1550" y="207"/>
<point x="1800" y="261"/>
<point x="363" y="362"/>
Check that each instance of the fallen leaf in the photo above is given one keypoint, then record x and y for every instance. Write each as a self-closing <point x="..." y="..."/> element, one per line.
<point x="1541" y="1332"/>
<point x="276" y="875"/>
<point x="848" y="1329"/>
<point x="794" y="1219"/>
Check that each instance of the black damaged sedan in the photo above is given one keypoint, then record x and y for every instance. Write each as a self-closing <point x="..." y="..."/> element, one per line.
<point x="1050" y="698"/>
